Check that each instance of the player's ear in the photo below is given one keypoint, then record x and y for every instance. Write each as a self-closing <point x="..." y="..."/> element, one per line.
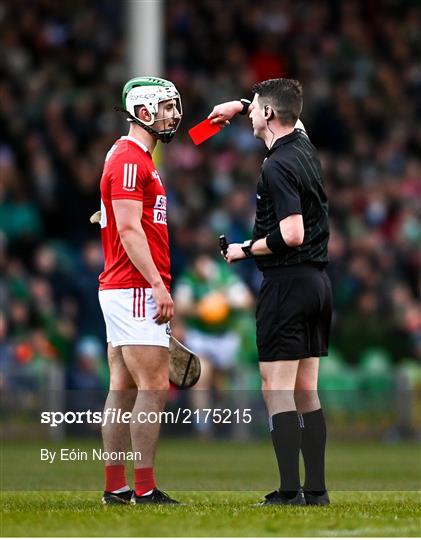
<point x="144" y="114"/>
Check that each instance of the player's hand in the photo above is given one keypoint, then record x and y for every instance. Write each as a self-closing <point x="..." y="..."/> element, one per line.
<point x="221" y="114"/>
<point x="234" y="253"/>
<point x="164" y="304"/>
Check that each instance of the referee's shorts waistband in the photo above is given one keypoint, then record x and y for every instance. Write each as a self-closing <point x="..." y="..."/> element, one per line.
<point x="294" y="269"/>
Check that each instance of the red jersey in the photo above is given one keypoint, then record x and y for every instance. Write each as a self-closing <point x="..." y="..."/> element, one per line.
<point x="129" y="173"/>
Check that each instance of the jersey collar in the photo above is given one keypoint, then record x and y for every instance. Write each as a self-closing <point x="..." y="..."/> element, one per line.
<point x="283" y="140"/>
<point x="132" y="139"/>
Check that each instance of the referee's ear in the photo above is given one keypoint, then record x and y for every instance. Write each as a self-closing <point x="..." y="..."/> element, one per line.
<point x="269" y="114"/>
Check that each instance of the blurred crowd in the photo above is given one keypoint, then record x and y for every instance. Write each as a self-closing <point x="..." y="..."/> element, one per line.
<point x="61" y="74"/>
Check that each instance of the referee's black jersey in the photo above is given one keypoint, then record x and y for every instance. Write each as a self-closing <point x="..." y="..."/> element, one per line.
<point x="291" y="183"/>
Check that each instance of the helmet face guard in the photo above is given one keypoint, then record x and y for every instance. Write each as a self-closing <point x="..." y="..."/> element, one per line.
<point x="149" y="92"/>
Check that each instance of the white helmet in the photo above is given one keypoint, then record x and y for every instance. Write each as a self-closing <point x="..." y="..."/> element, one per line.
<point x="149" y="92"/>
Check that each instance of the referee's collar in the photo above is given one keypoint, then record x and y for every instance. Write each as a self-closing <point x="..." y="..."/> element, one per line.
<point x="283" y="140"/>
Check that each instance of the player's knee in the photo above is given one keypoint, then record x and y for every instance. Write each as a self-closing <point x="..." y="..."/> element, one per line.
<point x="120" y="385"/>
<point x="163" y="385"/>
<point x="159" y="384"/>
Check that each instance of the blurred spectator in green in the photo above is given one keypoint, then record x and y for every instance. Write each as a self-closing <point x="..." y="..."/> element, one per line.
<point x="210" y="299"/>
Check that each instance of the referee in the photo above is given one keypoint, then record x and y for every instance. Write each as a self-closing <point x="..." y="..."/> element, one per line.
<point x="294" y="305"/>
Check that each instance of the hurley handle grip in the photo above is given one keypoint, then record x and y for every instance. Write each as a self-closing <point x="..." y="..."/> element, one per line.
<point x="223" y="244"/>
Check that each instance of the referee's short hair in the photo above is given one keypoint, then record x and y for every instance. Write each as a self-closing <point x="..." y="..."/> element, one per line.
<point x="285" y="96"/>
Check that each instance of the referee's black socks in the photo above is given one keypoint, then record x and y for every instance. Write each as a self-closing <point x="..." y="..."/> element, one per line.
<point x="313" y="444"/>
<point x="286" y="438"/>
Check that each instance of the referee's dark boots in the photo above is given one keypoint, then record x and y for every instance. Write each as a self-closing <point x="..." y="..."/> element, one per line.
<point x="283" y="498"/>
<point x="317" y="498"/>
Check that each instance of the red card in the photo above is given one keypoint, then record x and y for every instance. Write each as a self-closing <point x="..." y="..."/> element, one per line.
<point x="203" y="130"/>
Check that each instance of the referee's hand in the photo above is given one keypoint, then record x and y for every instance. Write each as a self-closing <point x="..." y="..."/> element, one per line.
<point x="234" y="253"/>
<point x="221" y="114"/>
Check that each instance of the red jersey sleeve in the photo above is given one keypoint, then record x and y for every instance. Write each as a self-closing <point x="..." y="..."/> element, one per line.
<point x="128" y="178"/>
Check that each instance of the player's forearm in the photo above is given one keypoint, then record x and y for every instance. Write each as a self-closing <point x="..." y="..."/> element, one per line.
<point x="137" y="248"/>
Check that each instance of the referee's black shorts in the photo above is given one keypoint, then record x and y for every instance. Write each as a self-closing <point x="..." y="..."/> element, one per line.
<point x="293" y="313"/>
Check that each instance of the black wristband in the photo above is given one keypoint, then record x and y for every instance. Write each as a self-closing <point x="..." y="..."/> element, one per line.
<point x="275" y="241"/>
<point x="246" y="247"/>
<point x="246" y="104"/>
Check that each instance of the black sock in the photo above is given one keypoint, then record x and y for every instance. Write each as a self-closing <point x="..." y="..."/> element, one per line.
<point x="286" y="438"/>
<point x="313" y="444"/>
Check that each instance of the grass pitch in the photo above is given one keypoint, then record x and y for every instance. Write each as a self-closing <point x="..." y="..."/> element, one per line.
<point x="205" y="475"/>
<point x="210" y="514"/>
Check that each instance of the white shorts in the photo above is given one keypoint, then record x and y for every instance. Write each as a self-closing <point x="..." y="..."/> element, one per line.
<point x="128" y="315"/>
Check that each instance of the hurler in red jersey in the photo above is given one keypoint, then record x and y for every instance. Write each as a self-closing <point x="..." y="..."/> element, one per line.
<point x="134" y="288"/>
